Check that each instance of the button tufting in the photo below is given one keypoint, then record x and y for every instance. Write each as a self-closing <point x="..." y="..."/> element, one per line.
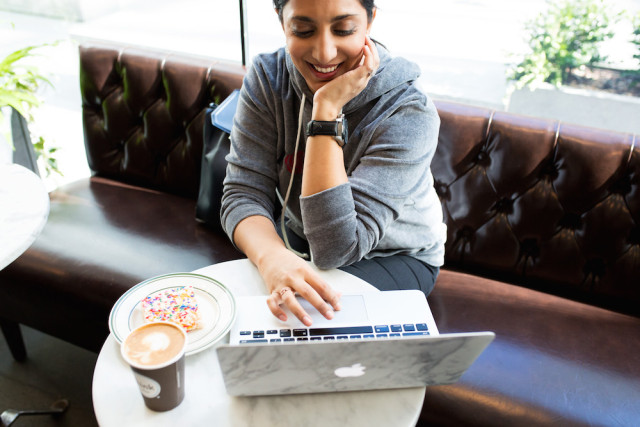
<point x="529" y="248"/>
<point x="483" y="158"/>
<point x="504" y="205"/>
<point x="549" y="171"/>
<point x="622" y="186"/>
<point x="595" y="268"/>
<point x="571" y="221"/>
<point x="465" y="233"/>
<point x="462" y="240"/>
<point x="442" y="190"/>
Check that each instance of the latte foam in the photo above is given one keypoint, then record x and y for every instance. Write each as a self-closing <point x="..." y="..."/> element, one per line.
<point x="153" y="344"/>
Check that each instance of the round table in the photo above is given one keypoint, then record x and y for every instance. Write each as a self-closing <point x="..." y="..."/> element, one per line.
<point x="24" y="208"/>
<point x="117" y="401"/>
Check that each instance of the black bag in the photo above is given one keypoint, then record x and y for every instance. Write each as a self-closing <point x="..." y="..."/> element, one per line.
<point x="215" y="148"/>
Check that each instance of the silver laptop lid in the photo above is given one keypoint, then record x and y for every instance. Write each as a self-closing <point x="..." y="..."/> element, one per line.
<point x="323" y="366"/>
<point x="290" y="358"/>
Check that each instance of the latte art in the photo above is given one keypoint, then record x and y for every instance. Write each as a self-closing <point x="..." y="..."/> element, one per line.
<point x="153" y="344"/>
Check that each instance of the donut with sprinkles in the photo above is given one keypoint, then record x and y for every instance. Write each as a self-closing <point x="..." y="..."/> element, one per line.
<point x="178" y="305"/>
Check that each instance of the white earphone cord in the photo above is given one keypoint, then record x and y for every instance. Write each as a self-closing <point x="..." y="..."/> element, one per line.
<point x="293" y="171"/>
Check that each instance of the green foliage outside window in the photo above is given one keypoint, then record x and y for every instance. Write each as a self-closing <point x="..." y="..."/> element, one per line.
<point x="563" y="38"/>
<point x="19" y="83"/>
<point x="636" y="38"/>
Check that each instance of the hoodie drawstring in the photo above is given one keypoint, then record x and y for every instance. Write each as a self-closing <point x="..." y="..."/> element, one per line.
<point x="293" y="171"/>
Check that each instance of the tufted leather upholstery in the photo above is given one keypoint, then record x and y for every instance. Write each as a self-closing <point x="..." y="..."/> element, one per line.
<point x="550" y="206"/>
<point x="537" y="208"/>
<point x="143" y="114"/>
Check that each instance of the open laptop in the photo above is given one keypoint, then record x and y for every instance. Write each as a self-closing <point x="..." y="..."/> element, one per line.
<point x="377" y="340"/>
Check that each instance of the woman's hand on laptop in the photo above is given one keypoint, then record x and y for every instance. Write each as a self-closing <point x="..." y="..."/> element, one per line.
<point x="286" y="274"/>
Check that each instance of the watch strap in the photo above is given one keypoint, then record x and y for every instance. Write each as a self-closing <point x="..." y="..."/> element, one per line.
<point x="319" y="127"/>
<point x="335" y="128"/>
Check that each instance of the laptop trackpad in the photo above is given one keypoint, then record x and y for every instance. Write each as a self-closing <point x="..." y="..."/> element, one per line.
<point x="352" y="311"/>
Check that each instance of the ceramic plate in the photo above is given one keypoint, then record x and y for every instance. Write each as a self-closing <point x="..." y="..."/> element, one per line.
<point x="216" y="306"/>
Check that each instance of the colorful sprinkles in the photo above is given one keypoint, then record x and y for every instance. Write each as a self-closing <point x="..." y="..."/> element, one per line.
<point x="176" y="305"/>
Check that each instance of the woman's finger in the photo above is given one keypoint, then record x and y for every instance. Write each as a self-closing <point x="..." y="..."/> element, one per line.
<point x="325" y="293"/>
<point x="366" y="64"/>
<point x="273" y="302"/>
<point x="289" y="299"/>
<point x="286" y="296"/>
<point x="372" y="60"/>
<point x="316" y="300"/>
<point x="374" y="52"/>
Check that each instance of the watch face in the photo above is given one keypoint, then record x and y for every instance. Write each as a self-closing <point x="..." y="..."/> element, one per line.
<point x="344" y="130"/>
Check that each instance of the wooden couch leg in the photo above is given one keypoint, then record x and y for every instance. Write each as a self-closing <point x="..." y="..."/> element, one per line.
<point x="13" y="336"/>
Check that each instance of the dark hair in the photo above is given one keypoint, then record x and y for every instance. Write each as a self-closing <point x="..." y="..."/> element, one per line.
<point x="367" y="4"/>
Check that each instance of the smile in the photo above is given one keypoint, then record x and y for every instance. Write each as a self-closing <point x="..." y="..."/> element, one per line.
<point x="326" y="70"/>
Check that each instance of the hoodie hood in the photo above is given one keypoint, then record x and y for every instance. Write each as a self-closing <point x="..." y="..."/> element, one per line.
<point x="391" y="73"/>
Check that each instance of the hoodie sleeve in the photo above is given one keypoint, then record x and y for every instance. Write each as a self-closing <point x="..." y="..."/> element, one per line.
<point x="250" y="182"/>
<point x="344" y="223"/>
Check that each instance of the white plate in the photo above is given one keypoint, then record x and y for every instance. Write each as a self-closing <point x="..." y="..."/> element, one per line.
<point x="216" y="305"/>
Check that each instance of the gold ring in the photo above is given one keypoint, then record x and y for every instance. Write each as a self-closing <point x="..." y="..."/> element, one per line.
<point x="284" y="290"/>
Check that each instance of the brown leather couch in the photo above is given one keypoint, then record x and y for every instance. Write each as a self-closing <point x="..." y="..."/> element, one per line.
<point x="543" y="240"/>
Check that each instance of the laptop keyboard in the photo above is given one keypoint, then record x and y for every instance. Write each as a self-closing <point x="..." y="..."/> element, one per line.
<point x="338" y="333"/>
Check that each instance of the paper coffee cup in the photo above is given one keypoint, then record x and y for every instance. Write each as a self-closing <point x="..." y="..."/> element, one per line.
<point x="155" y="351"/>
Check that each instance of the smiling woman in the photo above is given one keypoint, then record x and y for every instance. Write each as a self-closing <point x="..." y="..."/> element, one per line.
<point x="363" y="200"/>
<point x="323" y="46"/>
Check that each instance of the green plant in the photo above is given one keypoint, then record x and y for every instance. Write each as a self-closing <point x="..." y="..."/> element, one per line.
<point x="19" y="83"/>
<point x="636" y="36"/>
<point x="563" y="38"/>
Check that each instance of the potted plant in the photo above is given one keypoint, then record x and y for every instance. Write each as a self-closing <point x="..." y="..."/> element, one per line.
<point x="19" y="83"/>
<point x="565" y="37"/>
<point x="564" y="75"/>
<point x="635" y="40"/>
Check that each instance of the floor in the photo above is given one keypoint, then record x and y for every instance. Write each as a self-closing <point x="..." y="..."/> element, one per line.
<point x="53" y="370"/>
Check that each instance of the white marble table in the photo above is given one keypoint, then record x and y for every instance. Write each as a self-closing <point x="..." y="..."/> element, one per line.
<point x="117" y="401"/>
<point x="24" y="209"/>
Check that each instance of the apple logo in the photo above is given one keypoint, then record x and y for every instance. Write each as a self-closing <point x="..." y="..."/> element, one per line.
<point x="356" y="370"/>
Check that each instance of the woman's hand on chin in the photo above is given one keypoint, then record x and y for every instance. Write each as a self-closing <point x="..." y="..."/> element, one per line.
<point x="330" y="98"/>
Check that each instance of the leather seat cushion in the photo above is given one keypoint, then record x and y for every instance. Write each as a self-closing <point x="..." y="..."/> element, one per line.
<point x="103" y="237"/>
<point x="554" y="361"/>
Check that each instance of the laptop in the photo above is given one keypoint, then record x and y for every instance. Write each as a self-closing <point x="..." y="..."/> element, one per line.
<point x="378" y="340"/>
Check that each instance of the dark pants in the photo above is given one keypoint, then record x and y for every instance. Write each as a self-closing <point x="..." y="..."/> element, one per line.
<point x="395" y="272"/>
<point x="385" y="273"/>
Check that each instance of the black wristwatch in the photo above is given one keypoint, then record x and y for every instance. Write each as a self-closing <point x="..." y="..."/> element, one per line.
<point x="337" y="128"/>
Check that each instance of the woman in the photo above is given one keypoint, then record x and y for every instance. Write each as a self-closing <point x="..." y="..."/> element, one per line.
<point x="365" y="205"/>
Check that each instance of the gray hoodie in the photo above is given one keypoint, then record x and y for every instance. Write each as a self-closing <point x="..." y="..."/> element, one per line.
<point x="389" y="205"/>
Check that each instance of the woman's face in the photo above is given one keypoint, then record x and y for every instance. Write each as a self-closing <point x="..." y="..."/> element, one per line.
<point x="325" y="38"/>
